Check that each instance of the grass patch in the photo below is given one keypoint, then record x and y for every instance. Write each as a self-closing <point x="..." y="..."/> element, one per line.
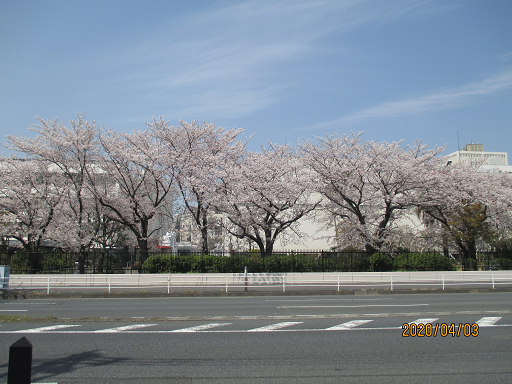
<point x="25" y="319"/>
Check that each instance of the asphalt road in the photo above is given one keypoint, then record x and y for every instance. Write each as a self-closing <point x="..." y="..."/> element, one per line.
<point x="324" y="339"/>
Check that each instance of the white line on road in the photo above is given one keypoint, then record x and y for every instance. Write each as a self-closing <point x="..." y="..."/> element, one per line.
<point x="379" y="299"/>
<point x="487" y="321"/>
<point x="351" y="306"/>
<point x="146" y="332"/>
<point x="424" y="321"/>
<point x="125" y="328"/>
<point x="200" y="328"/>
<point x="13" y="310"/>
<point x="46" y="329"/>
<point x="26" y="303"/>
<point x="273" y="327"/>
<point x="348" y="325"/>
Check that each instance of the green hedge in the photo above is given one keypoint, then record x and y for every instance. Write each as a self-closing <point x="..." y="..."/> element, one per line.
<point x="503" y="263"/>
<point x="165" y="263"/>
<point x="422" y="262"/>
<point x="381" y="262"/>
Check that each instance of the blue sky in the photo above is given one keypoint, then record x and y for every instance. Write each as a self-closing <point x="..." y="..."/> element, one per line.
<point x="282" y="70"/>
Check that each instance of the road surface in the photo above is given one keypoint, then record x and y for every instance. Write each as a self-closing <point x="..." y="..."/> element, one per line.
<point x="320" y="339"/>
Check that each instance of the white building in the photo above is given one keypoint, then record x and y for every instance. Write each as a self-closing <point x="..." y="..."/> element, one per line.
<point x="475" y="154"/>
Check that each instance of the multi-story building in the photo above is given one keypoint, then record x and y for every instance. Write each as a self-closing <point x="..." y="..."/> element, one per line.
<point x="475" y="154"/>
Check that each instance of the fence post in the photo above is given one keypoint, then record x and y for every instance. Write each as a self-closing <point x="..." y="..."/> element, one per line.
<point x="109" y="288"/>
<point x="48" y="287"/>
<point x="338" y="283"/>
<point x="20" y="362"/>
<point x="442" y="277"/>
<point x="391" y="280"/>
<point x="245" y="274"/>
<point x="169" y="284"/>
<point x="284" y="279"/>
<point x="492" y="280"/>
<point x="227" y="283"/>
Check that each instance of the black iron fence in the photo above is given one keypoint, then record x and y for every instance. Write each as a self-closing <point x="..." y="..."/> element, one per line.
<point x="126" y="260"/>
<point x="61" y="261"/>
<point x="236" y="262"/>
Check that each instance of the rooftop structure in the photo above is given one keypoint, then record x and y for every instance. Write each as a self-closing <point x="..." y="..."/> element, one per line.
<point x="475" y="154"/>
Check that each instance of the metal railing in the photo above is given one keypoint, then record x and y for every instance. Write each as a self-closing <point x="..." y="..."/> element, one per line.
<point x="169" y="283"/>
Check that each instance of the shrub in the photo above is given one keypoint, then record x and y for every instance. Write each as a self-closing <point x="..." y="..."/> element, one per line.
<point x="362" y="264"/>
<point x="18" y="262"/>
<point x="56" y="261"/>
<point x="504" y="263"/>
<point x="422" y="262"/>
<point x="157" y="264"/>
<point x="380" y="262"/>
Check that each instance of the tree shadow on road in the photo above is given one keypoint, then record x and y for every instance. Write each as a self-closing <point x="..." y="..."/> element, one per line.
<point x="49" y="368"/>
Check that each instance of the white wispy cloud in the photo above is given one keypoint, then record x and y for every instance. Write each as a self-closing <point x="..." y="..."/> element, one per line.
<point x="505" y="57"/>
<point x="446" y="99"/>
<point x="229" y="60"/>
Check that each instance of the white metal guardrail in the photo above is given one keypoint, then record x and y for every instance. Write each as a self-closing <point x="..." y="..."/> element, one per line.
<point x="262" y="281"/>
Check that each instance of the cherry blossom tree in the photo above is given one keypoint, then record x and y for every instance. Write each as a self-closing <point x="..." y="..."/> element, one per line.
<point x="265" y="196"/>
<point x="465" y="205"/>
<point x="367" y="186"/>
<point x="30" y="196"/>
<point x="132" y="186"/>
<point x="205" y="151"/>
<point x="73" y="152"/>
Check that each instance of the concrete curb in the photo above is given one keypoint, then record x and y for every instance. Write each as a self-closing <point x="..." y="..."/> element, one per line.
<point x="41" y="294"/>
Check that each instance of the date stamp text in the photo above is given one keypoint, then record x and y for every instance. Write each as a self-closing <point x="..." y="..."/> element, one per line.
<point x="441" y="329"/>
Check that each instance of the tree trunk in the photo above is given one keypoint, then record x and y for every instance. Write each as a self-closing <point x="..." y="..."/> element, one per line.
<point x="370" y="248"/>
<point x="144" y="253"/>
<point x="468" y="255"/>
<point x="204" y="233"/>
<point x="266" y="248"/>
<point x="81" y="259"/>
<point x="33" y="256"/>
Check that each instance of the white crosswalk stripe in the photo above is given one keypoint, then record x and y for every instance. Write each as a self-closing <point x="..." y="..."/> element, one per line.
<point x="200" y="328"/>
<point x="124" y="329"/>
<point x="424" y="321"/>
<point x="273" y="327"/>
<point x="348" y="325"/>
<point x="286" y="326"/>
<point x="488" y="321"/>
<point x="45" y="329"/>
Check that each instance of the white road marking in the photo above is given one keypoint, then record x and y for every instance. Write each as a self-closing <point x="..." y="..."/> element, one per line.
<point x="314" y="300"/>
<point x="125" y="328"/>
<point x="200" y="328"/>
<point x="348" y="325"/>
<point x="353" y="325"/>
<point x="273" y="327"/>
<point x="46" y="329"/>
<point x="487" y="321"/>
<point x="351" y="306"/>
<point x="13" y="310"/>
<point x="424" y="321"/>
<point x="26" y="303"/>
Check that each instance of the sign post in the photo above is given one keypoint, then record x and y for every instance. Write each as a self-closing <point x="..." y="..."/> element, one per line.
<point x="20" y="362"/>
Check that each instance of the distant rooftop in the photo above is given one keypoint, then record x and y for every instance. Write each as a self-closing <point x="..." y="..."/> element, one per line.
<point x="475" y="154"/>
<point x="474" y="147"/>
